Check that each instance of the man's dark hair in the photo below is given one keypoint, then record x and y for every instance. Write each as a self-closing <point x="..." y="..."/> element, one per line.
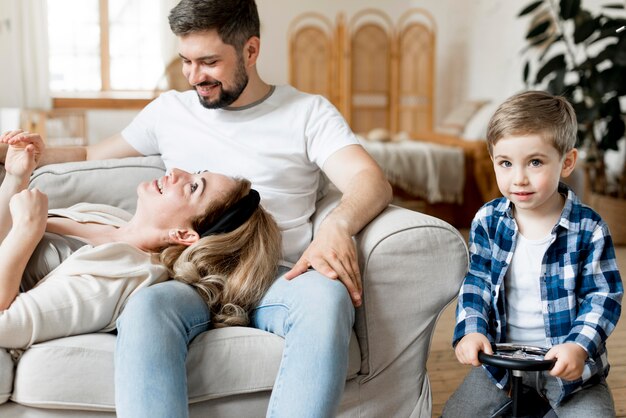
<point x="234" y="20"/>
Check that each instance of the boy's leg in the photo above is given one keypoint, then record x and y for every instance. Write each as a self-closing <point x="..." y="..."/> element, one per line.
<point x="476" y="396"/>
<point x="592" y="402"/>
<point x="315" y="316"/>
<point x="154" y="330"/>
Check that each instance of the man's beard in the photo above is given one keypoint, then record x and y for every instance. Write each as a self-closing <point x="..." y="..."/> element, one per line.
<point x="226" y="97"/>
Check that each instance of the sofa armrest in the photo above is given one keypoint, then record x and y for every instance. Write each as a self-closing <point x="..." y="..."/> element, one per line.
<point x="412" y="266"/>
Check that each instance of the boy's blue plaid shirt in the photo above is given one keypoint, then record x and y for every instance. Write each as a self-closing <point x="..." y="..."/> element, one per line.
<point x="581" y="288"/>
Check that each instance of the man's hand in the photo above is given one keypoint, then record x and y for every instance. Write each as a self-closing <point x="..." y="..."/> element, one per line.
<point x="23" y="154"/>
<point x="470" y="345"/>
<point x="570" y="361"/>
<point x="332" y="253"/>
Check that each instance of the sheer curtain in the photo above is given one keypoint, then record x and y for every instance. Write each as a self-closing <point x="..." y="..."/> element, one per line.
<point x="168" y="39"/>
<point x="24" y="52"/>
<point x="169" y="43"/>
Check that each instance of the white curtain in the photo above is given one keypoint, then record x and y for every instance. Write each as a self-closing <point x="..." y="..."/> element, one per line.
<point x="169" y="42"/>
<point x="24" y="51"/>
<point x="168" y="39"/>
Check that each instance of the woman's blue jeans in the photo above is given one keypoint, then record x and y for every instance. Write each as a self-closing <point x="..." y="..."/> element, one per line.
<point x="313" y="313"/>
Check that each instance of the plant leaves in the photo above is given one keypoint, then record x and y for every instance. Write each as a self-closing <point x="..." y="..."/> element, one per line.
<point x="611" y="108"/>
<point x="613" y="6"/>
<point x="584" y="29"/>
<point x="608" y="53"/>
<point x="620" y="53"/>
<point x="584" y="114"/>
<point x="547" y="48"/>
<point x="613" y="78"/>
<point x="526" y="72"/>
<point x="539" y="29"/>
<point x="581" y="108"/>
<point x="556" y="86"/>
<point x="592" y="38"/>
<point x="530" y="8"/>
<point x="614" y="132"/>
<point x="568" y="8"/>
<point x="555" y="63"/>
<point x="609" y="28"/>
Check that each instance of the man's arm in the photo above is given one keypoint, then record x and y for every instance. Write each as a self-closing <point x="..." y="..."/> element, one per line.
<point x="366" y="192"/>
<point x="113" y="147"/>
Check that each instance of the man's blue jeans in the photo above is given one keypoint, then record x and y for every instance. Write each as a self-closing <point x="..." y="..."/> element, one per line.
<point x="313" y="313"/>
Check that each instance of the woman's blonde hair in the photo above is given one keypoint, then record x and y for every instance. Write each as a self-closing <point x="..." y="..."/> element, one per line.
<point x="233" y="270"/>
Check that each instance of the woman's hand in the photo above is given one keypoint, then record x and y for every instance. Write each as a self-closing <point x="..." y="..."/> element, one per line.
<point x="29" y="212"/>
<point x="24" y="152"/>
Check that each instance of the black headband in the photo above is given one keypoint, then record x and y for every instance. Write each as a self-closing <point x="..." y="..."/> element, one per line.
<point x="234" y="216"/>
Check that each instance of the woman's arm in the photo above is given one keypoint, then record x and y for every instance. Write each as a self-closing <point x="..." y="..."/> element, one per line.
<point x="23" y="212"/>
<point x="29" y="211"/>
<point x="23" y="154"/>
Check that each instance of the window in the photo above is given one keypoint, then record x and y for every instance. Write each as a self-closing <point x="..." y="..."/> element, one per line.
<point x="104" y="45"/>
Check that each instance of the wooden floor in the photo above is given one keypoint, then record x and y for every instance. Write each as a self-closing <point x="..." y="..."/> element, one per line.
<point x="445" y="372"/>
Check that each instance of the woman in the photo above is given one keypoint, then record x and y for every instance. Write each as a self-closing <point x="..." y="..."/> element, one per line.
<point x="208" y="228"/>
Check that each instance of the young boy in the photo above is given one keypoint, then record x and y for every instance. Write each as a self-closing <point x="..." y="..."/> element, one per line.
<point x="542" y="269"/>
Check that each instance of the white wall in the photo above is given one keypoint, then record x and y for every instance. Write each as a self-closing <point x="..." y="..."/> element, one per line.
<point x="102" y="124"/>
<point x="478" y="49"/>
<point x="478" y="42"/>
<point x="10" y="93"/>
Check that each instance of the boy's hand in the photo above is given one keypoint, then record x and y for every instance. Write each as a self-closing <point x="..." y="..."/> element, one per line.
<point x="467" y="349"/>
<point x="24" y="152"/>
<point x="570" y="361"/>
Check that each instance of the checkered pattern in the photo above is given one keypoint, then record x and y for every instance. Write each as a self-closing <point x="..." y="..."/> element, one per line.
<point x="581" y="288"/>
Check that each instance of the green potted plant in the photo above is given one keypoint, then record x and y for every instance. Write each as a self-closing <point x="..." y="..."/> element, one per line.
<point x="581" y="54"/>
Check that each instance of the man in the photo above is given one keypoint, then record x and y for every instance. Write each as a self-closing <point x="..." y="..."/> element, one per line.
<point x="236" y="124"/>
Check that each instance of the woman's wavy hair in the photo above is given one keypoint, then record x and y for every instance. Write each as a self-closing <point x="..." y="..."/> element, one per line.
<point x="230" y="271"/>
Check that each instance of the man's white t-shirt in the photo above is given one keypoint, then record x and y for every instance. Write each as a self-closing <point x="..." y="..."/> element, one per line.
<point x="279" y="144"/>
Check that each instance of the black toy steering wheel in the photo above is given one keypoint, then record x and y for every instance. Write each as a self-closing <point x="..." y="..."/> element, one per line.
<point x="517" y="357"/>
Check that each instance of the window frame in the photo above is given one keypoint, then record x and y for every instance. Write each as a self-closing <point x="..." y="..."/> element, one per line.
<point x="105" y="98"/>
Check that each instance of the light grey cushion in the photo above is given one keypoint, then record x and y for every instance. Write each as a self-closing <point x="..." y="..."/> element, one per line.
<point x="221" y="362"/>
<point x="6" y="375"/>
<point x="113" y="182"/>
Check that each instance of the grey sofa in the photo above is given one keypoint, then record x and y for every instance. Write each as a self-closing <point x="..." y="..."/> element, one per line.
<point x="412" y="267"/>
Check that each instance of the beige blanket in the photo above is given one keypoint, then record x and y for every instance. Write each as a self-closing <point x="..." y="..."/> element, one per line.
<point x="432" y="172"/>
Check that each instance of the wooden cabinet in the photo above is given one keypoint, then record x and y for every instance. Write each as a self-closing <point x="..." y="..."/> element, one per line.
<point x="58" y="127"/>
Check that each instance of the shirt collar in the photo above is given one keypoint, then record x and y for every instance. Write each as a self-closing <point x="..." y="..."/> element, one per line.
<point x="569" y="216"/>
<point x="566" y="220"/>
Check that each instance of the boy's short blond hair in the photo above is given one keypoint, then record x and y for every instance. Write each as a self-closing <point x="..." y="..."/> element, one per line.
<point x="535" y="113"/>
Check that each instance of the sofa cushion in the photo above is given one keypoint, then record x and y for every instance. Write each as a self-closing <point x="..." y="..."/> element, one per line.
<point x="77" y="372"/>
<point x="6" y="375"/>
<point x="113" y="182"/>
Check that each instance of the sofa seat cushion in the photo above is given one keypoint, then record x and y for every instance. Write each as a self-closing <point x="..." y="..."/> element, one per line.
<point x="6" y="375"/>
<point x="77" y="372"/>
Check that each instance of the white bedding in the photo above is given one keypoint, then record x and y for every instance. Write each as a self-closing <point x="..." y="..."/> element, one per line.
<point x="429" y="171"/>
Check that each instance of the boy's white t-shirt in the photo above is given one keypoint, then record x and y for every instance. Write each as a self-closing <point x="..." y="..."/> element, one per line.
<point x="279" y="144"/>
<point x="525" y="324"/>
